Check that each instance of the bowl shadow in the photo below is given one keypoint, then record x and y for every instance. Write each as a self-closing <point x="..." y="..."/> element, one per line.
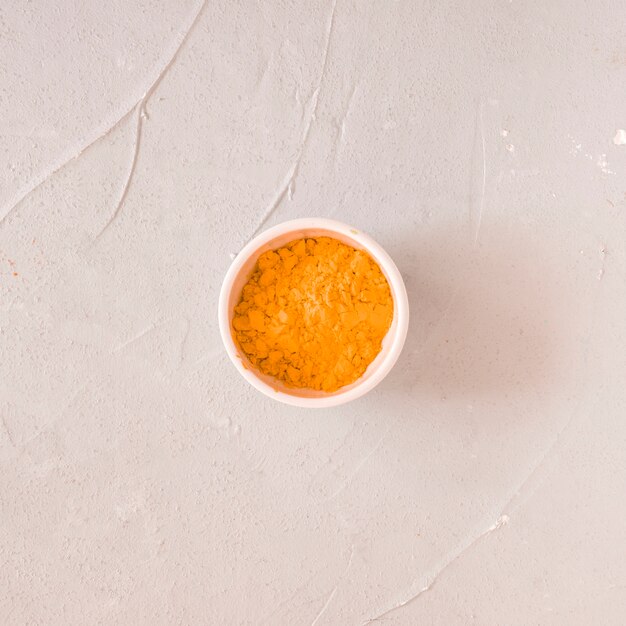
<point x="482" y="317"/>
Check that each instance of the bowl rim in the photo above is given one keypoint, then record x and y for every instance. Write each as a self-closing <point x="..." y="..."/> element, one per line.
<point x="378" y="253"/>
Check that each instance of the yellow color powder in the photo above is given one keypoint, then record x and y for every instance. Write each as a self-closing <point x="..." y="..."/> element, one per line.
<point x="314" y="313"/>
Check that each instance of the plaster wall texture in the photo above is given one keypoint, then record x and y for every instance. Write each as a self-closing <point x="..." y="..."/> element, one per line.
<point x="143" y="482"/>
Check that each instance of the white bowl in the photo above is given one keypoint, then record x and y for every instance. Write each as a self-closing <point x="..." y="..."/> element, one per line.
<point x="240" y="271"/>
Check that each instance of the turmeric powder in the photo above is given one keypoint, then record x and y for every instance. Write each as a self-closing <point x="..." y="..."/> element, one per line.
<point x="313" y="313"/>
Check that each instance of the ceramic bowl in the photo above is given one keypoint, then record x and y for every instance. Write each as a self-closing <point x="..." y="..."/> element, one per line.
<point x="240" y="271"/>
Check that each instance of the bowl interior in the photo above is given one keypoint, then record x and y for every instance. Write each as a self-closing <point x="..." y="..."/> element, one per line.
<point x="244" y="274"/>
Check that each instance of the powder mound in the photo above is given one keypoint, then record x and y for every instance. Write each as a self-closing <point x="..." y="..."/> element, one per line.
<point x="314" y="313"/>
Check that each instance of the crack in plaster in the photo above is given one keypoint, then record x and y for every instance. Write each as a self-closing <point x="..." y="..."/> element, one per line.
<point x="289" y="599"/>
<point x="99" y="132"/>
<point x="183" y="343"/>
<point x="131" y="171"/>
<point x="331" y="595"/>
<point x="135" y="338"/>
<point x="360" y="465"/>
<point x="481" y="204"/>
<point x="341" y="125"/>
<point x="288" y="184"/>
<point x="501" y="521"/>
<point x="6" y="428"/>
<point x="517" y="493"/>
<point x="426" y="582"/>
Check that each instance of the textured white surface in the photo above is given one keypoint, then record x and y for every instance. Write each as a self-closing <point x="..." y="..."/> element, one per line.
<point x="142" y="480"/>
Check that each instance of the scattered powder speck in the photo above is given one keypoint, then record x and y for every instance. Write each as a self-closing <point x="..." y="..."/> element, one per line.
<point x="620" y="137"/>
<point x="603" y="164"/>
<point x="602" y="261"/>
<point x="601" y="160"/>
<point x="510" y="147"/>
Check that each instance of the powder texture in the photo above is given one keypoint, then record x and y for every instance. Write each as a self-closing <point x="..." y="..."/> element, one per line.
<point x="314" y="313"/>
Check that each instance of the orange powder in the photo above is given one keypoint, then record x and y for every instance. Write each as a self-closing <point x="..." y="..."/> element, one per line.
<point x="314" y="313"/>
